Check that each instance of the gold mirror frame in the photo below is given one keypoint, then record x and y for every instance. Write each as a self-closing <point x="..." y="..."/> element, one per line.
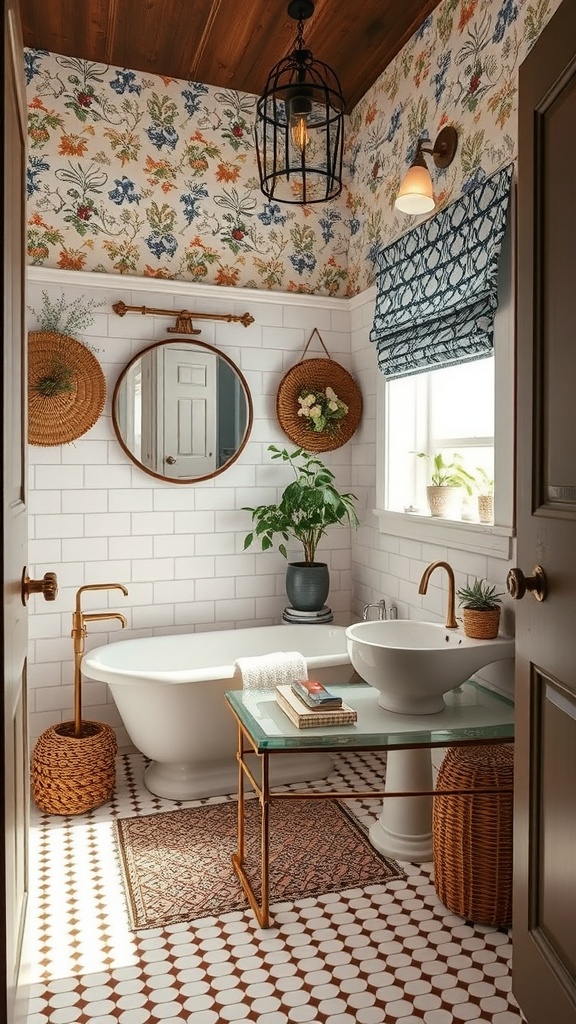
<point x="221" y="364"/>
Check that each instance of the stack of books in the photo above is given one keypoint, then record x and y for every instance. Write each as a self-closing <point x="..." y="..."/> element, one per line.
<point x="308" y="704"/>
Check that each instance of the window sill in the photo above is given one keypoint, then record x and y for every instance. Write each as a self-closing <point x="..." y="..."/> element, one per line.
<point x="486" y="540"/>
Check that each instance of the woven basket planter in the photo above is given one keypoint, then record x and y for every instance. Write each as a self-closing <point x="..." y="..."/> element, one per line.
<point x="319" y="374"/>
<point x="72" y="775"/>
<point x="472" y="835"/>
<point x="481" y="625"/>
<point x="62" y="418"/>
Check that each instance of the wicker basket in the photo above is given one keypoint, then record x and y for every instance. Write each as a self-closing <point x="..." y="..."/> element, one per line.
<point x="61" y="418"/>
<point x="481" y="625"/>
<point x="71" y="775"/>
<point x="472" y="835"/>
<point x="318" y="374"/>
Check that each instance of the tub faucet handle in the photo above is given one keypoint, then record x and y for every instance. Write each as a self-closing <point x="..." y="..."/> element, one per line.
<point x="380" y="605"/>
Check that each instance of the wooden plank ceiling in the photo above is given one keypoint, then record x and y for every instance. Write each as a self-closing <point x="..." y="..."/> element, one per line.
<point x="226" y="43"/>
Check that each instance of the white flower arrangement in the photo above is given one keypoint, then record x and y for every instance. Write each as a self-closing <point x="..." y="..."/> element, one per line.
<point x="321" y="410"/>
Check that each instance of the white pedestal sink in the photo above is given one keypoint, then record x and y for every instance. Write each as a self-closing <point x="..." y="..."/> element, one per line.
<point x="412" y="664"/>
<point x="404" y="828"/>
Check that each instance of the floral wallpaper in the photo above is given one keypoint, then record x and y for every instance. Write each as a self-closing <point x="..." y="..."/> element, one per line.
<point x="143" y="175"/>
<point x="137" y="174"/>
<point x="460" y="68"/>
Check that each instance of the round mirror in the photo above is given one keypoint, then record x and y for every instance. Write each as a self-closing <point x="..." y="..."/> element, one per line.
<point x="182" y="411"/>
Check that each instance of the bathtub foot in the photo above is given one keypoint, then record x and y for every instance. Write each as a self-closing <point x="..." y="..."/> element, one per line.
<point x="217" y="778"/>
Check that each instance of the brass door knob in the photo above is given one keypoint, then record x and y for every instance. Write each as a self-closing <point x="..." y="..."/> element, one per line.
<point x="170" y="460"/>
<point x="517" y="584"/>
<point x="48" y="586"/>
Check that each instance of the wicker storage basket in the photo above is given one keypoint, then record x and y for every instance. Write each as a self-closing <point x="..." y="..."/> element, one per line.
<point x="481" y="625"/>
<point x="472" y="835"/>
<point x="71" y="775"/>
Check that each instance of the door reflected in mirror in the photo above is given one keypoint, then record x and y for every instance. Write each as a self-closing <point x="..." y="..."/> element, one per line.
<point x="182" y="411"/>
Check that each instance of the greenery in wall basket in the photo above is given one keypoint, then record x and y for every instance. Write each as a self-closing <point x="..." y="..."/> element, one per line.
<point x="68" y="318"/>
<point x="59" y="316"/>
<point x="65" y="317"/>
<point x="308" y="506"/>
<point x="66" y="384"/>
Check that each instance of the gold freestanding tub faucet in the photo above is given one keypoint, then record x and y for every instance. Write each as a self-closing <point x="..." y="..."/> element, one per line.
<point x="451" y="610"/>
<point x="79" y="633"/>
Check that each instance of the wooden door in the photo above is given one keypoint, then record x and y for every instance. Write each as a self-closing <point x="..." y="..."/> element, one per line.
<point x="544" y="929"/>
<point x="15" y="789"/>
<point x="190" y="412"/>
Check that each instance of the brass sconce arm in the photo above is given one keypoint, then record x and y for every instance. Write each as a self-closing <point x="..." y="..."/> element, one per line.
<point x="443" y="150"/>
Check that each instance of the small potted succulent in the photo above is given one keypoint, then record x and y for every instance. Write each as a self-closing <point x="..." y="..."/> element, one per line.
<point x="446" y="482"/>
<point x="480" y="605"/>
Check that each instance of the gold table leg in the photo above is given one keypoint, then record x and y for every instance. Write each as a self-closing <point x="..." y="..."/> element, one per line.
<point x="261" y="910"/>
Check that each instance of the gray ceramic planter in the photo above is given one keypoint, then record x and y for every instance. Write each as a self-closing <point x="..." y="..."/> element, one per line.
<point x="307" y="586"/>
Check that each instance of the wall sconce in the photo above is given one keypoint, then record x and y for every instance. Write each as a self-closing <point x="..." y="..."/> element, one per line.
<point x="416" y="194"/>
<point x="300" y="125"/>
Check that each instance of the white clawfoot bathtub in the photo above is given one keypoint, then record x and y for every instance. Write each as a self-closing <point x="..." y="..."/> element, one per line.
<point x="169" y="691"/>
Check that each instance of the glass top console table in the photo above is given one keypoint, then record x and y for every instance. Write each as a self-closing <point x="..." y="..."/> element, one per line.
<point x="472" y="715"/>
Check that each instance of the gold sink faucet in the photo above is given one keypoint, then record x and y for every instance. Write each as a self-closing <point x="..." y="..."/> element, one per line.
<point x="79" y="633"/>
<point x="451" y="610"/>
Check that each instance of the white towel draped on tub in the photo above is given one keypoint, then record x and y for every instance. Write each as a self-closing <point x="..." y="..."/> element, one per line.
<point x="269" y="670"/>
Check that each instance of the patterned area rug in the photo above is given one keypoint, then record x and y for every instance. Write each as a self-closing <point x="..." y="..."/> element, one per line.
<point x="177" y="865"/>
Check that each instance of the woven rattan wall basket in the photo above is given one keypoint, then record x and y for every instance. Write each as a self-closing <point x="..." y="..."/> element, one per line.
<point x="65" y="415"/>
<point x="318" y="374"/>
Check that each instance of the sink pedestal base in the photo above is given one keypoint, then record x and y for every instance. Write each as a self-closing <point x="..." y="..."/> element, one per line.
<point x="404" y="828"/>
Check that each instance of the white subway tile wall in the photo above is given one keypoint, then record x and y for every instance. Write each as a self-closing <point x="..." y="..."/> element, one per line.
<point x="95" y="517"/>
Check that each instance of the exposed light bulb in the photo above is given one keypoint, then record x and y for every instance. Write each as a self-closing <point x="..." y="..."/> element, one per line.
<point x="299" y="131"/>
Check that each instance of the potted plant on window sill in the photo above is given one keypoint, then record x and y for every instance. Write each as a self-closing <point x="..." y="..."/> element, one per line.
<point x="485" y="487"/>
<point x="308" y="506"/>
<point x="446" y="482"/>
<point x="480" y="610"/>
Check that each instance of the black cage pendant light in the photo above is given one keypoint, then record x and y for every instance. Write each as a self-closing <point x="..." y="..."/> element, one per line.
<point x="300" y="125"/>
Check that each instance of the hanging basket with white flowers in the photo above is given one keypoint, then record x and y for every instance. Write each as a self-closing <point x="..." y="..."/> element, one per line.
<point x="318" y="403"/>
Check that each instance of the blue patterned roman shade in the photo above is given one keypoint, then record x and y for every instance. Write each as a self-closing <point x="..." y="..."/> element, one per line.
<point x="437" y="285"/>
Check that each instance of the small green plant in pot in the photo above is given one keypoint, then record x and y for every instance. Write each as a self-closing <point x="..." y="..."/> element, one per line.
<point x="480" y="605"/>
<point x="446" y="482"/>
<point x="308" y="506"/>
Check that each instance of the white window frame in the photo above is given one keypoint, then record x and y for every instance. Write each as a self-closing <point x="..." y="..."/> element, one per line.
<point x="495" y="539"/>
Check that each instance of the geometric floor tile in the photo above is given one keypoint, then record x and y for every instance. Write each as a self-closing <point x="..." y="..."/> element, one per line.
<point x="374" y="955"/>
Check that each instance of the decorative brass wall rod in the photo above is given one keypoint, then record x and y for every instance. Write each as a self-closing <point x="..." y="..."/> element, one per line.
<point x="183" y="317"/>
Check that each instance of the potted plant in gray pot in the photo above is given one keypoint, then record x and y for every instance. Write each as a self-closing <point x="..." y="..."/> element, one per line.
<point x="447" y="479"/>
<point x="308" y="506"/>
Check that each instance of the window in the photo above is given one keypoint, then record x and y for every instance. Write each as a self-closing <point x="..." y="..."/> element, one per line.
<point x="466" y="409"/>
<point x="448" y="412"/>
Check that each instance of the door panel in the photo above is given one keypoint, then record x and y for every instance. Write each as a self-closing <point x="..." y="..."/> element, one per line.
<point x="557" y="822"/>
<point x="13" y="1001"/>
<point x="189" y="419"/>
<point x="544" y="966"/>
